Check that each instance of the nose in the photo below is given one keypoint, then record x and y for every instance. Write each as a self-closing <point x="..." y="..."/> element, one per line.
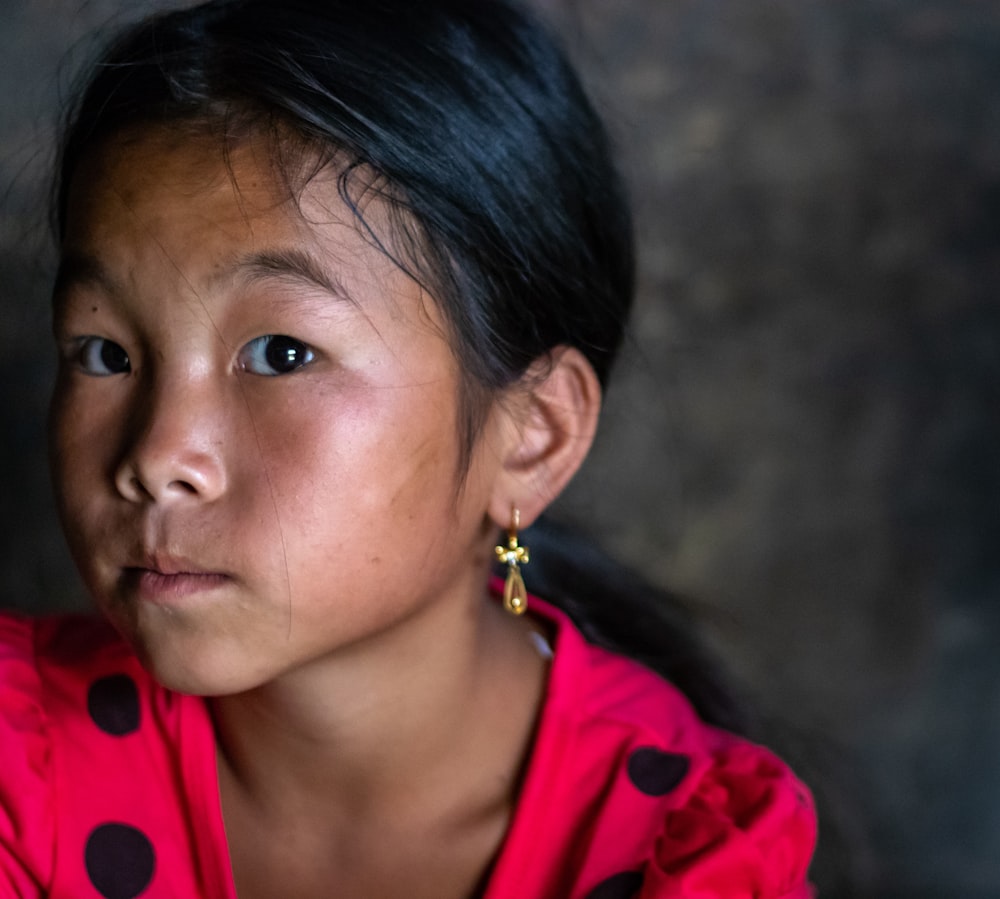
<point x="174" y="451"/>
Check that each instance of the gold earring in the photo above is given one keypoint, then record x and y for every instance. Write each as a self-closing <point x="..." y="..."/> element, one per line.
<point x="515" y="596"/>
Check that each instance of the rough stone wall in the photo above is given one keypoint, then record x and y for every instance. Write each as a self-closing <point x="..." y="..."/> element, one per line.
<point x="802" y="438"/>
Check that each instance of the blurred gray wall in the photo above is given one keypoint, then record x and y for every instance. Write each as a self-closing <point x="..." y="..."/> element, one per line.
<point x="803" y="436"/>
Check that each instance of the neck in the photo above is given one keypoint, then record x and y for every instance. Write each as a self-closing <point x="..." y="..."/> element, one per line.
<point x="453" y="710"/>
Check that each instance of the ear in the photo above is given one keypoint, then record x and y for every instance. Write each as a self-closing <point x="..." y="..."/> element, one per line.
<point x="552" y="414"/>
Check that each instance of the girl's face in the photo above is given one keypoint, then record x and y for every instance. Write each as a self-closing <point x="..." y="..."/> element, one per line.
<point x="255" y="430"/>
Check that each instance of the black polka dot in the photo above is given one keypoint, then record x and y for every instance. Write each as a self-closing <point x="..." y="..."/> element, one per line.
<point x="656" y="772"/>
<point x="113" y="703"/>
<point x="619" y="886"/>
<point x="119" y="860"/>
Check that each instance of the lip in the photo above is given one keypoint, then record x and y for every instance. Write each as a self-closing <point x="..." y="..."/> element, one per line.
<point x="165" y="580"/>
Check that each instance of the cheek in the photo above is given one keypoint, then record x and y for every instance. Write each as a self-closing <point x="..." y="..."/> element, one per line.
<point x="78" y="442"/>
<point x="77" y="461"/>
<point x="365" y="453"/>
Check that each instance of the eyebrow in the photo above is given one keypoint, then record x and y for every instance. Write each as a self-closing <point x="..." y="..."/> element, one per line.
<point x="77" y="268"/>
<point x="290" y="263"/>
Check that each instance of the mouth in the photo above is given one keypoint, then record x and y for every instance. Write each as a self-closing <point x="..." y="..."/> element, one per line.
<point x="166" y="580"/>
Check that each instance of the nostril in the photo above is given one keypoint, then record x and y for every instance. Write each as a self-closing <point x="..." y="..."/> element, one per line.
<point x="139" y="490"/>
<point x="134" y="489"/>
<point x="182" y="487"/>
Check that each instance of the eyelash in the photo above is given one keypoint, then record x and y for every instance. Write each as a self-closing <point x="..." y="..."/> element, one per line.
<point x="279" y="352"/>
<point x="271" y="355"/>
<point x="95" y="353"/>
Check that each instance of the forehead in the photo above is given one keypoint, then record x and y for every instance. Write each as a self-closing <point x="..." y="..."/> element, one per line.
<point x="170" y="169"/>
<point x="192" y="206"/>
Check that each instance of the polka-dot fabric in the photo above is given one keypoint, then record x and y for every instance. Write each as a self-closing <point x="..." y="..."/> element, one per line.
<point x="113" y="704"/>
<point x="656" y="772"/>
<point x="109" y="787"/>
<point x="622" y="768"/>
<point x="113" y="794"/>
<point x="625" y="885"/>
<point x="120" y="861"/>
<point x="119" y="858"/>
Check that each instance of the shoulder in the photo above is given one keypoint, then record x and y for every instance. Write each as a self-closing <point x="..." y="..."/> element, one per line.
<point x="41" y="659"/>
<point x="27" y="795"/>
<point x="76" y="711"/>
<point x="68" y="667"/>
<point x="52" y="670"/>
<point x="26" y="820"/>
<point x="675" y="807"/>
<point x="746" y="827"/>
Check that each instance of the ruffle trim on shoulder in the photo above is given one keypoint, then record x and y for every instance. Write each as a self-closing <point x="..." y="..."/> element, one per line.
<point x="747" y="832"/>
<point x="26" y="814"/>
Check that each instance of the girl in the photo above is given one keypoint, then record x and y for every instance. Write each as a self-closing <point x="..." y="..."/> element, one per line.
<point x="340" y="286"/>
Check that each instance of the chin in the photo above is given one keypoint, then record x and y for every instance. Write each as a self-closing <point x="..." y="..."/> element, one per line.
<point x="196" y="681"/>
<point x="197" y="670"/>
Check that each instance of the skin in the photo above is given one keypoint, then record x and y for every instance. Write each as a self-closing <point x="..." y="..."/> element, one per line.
<point x="301" y="547"/>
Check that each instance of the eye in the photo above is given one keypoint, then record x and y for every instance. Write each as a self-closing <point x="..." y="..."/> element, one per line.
<point x="275" y="354"/>
<point x="101" y="358"/>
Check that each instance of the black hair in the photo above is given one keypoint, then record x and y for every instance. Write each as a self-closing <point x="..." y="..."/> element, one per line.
<point x="464" y="114"/>
<point x="467" y="118"/>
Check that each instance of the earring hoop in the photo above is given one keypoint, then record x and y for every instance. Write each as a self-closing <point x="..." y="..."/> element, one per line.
<point x="515" y="596"/>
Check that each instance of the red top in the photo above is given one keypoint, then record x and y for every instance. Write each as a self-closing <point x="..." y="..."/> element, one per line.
<point x="108" y="784"/>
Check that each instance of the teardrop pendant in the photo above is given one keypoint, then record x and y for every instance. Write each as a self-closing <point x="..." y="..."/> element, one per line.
<point x="515" y="596"/>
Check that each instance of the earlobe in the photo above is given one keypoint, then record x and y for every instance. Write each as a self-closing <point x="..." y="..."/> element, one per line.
<point x="554" y="420"/>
